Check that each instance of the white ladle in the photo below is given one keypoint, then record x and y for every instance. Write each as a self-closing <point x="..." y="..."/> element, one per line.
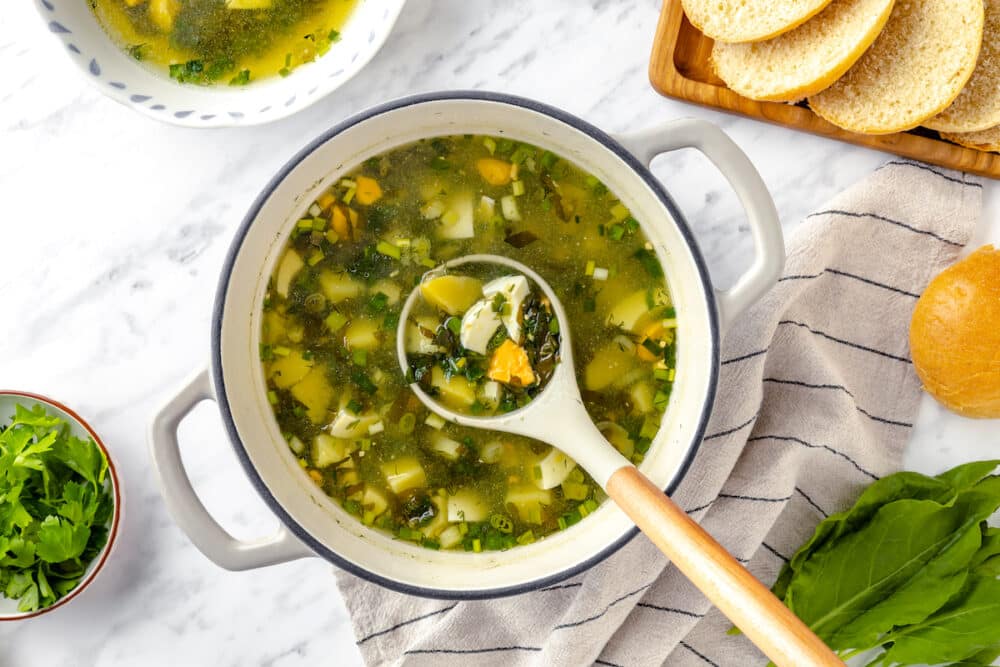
<point x="557" y="416"/>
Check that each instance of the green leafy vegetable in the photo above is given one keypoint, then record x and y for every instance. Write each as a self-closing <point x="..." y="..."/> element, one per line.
<point x="910" y="570"/>
<point x="54" y="507"/>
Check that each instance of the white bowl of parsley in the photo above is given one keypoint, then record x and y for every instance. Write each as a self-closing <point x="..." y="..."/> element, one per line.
<point x="60" y="503"/>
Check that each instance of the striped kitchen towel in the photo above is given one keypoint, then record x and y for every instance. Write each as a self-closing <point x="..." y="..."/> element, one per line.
<point x="816" y="400"/>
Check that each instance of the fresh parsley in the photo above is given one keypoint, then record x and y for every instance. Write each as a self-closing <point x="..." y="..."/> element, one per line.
<point x="55" y="505"/>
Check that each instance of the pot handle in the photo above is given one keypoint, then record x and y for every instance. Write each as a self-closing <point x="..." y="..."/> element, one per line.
<point x="187" y="509"/>
<point x="735" y="166"/>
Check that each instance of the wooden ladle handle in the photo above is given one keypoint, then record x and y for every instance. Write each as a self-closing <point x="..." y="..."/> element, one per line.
<point x="762" y="617"/>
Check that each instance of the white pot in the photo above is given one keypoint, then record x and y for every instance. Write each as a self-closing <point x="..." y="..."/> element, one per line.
<point x="154" y="94"/>
<point x="315" y="525"/>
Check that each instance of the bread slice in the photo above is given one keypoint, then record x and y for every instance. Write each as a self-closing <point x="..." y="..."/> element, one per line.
<point x="977" y="107"/>
<point x="806" y="60"/>
<point x="984" y="140"/>
<point x="749" y="20"/>
<point x="914" y="70"/>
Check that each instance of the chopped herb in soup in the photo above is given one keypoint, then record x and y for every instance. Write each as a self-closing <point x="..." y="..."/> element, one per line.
<point x="481" y="344"/>
<point x="224" y="41"/>
<point x="328" y="339"/>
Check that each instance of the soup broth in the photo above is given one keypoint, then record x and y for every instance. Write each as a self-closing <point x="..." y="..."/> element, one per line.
<point x="224" y="41"/>
<point x="332" y="308"/>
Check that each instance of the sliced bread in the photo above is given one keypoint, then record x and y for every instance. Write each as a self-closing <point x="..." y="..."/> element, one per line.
<point x="914" y="70"/>
<point x="749" y="20"/>
<point x="806" y="60"/>
<point x="977" y="107"/>
<point x="984" y="140"/>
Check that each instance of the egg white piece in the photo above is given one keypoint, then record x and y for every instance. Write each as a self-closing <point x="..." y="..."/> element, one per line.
<point x="478" y="326"/>
<point x="515" y="289"/>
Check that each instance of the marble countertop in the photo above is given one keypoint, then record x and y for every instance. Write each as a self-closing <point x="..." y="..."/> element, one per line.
<point x="113" y="231"/>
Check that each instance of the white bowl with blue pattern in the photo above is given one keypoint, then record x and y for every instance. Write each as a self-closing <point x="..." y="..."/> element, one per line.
<point x="154" y="94"/>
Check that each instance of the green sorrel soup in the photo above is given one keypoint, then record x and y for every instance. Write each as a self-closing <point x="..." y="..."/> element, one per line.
<point x="329" y="338"/>
<point x="224" y="41"/>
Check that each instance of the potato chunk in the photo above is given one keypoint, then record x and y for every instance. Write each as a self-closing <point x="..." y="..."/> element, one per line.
<point x="608" y="365"/>
<point x="289" y="369"/>
<point x="339" y="287"/>
<point x="314" y="392"/>
<point x="455" y="391"/>
<point x="404" y="473"/>
<point x="452" y="294"/>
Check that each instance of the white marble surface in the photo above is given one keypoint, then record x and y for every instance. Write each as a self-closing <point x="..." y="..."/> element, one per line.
<point x="112" y="231"/>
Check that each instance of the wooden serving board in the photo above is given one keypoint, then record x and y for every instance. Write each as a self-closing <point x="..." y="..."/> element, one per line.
<point x="679" y="68"/>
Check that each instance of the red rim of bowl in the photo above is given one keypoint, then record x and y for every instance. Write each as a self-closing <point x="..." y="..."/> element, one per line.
<point x="112" y="532"/>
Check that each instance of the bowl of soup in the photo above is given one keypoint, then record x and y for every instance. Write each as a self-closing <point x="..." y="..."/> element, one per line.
<point x="218" y="63"/>
<point x="323" y="416"/>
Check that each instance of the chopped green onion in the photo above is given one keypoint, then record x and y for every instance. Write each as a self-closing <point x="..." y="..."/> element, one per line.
<point x="631" y="225"/>
<point x="319" y="224"/>
<point x="561" y="521"/>
<point x="354" y="406"/>
<point x="548" y="160"/>
<point x="589" y="270"/>
<point x="616" y="232"/>
<point x="407" y="423"/>
<point x="501" y="523"/>
<point x="670" y="324"/>
<point x="332" y="236"/>
<point x="517" y="188"/>
<point x="272" y="398"/>
<point x="388" y="249"/>
<point x="316" y="257"/>
<point x="650" y="426"/>
<point x="661" y="400"/>
<point x="281" y="350"/>
<point x="360" y="357"/>
<point x="508" y="206"/>
<point x="526" y="537"/>
<point x="491" y="145"/>
<point x="440" y="163"/>
<point x="661" y="373"/>
<point x="304" y="224"/>
<point x="591" y="505"/>
<point x="349" y="195"/>
<point x="520" y="155"/>
<point x="241" y="79"/>
<point x="428" y="262"/>
<point x="435" y="421"/>
<point x="454" y="325"/>
<point x="477" y="546"/>
<point x="333" y="36"/>
<point x="553" y="326"/>
<point x="673" y="374"/>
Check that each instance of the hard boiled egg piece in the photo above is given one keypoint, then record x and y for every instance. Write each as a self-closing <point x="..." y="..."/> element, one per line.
<point x="515" y="290"/>
<point x="479" y="324"/>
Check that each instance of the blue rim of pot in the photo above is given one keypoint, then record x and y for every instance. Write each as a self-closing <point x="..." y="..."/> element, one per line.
<point x="218" y="380"/>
